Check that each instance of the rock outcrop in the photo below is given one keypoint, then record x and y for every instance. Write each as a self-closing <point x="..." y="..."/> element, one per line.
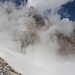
<point x="39" y="20"/>
<point x="6" y="69"/>
<point x="67" y="44"/>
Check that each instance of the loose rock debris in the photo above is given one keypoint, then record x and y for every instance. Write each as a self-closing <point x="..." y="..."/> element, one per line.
<point x="6" y="69"/>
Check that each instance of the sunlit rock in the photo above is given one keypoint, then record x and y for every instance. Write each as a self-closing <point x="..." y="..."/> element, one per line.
<point x="6" y="69"/>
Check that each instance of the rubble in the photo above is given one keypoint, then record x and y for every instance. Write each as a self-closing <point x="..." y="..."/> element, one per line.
<point x="6" y="69"/>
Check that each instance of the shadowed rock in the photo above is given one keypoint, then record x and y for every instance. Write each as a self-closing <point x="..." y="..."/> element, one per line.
<point x="39" y="20"/>
<point x="28" y="39"/>
<point x="67" y="44"/>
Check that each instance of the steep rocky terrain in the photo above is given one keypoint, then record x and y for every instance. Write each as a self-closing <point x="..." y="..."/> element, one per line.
<point x="6" y="69"/>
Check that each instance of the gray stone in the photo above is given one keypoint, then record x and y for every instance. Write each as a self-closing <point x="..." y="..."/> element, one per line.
<point x="6" y="69"/>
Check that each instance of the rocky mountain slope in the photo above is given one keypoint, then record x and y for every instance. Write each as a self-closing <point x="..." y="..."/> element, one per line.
<point x="6" y="69"/>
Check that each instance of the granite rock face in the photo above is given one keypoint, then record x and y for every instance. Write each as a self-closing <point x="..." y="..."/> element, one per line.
<point x="6" y="69"/>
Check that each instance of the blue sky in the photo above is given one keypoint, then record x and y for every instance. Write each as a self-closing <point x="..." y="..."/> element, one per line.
<point x="18" y="2"/>
<point x="66" y="11"/>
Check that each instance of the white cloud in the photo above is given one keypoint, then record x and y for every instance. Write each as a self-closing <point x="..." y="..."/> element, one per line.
<point x="47" y="4"/>
<point x="40" y="58"/>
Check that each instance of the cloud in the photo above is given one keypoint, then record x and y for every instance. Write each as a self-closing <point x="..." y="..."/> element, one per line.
<point x="19" y="29"/>
<point x="47" y="4"/>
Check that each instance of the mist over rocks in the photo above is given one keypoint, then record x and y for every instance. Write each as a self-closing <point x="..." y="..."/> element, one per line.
<point x="39" y="45"/>
<point x="67" y="45"/>
<point x="27" y="27"/>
